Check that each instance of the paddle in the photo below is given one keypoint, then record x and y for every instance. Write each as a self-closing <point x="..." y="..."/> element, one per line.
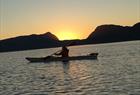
<point x="55" y="52"/>
<point x="52" y="54"/>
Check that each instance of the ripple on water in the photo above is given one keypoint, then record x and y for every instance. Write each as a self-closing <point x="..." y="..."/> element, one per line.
<point x="116" y="72"/>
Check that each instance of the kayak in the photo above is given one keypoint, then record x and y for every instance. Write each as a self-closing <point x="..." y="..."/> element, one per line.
<point x="52" y="58"/>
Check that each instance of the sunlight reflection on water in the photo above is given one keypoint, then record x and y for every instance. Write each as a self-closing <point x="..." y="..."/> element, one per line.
<point x="116" y="72"/>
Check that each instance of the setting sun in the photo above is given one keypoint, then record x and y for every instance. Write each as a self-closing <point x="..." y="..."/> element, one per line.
<point x="67" y="35"/>
<point x="67" y="19"/>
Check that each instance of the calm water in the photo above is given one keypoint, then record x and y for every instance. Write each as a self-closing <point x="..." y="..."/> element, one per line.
<point x="116" y="72"/>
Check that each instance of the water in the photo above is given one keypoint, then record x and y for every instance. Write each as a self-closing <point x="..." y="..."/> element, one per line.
<point x="116" y="72"/>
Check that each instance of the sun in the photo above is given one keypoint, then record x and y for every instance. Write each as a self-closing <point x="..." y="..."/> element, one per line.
<point x="67" y="35"/>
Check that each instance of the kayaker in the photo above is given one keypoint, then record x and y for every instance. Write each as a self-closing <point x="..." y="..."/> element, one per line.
<point x="64" y="52"/>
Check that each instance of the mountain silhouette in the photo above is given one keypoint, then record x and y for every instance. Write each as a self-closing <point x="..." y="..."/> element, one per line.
<point x="114" y="33"/>
<point x="102" y="34"/>
<point x="29" y="42"/>
<point x="136" y="30"/>
<point x="48" y="35"/>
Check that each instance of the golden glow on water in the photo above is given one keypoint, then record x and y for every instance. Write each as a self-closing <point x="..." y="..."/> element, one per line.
<point x="77" y="71"/>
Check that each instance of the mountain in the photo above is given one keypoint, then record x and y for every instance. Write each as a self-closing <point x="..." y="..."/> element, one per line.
<point x="29" y="42"/>
<point x="114" y="33"/>
<point x="102" y="34"/>
<point x="48" y="35"/>
<point x="136" y="30"/>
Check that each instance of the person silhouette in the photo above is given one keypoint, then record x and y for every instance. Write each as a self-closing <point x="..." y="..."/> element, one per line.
<point x="64" y="52"/>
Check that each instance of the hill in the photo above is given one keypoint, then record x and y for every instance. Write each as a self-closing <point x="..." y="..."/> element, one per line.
<point x="29" y="42"/>
<point x="114" y="33"/>
<point x="102" y="34"/>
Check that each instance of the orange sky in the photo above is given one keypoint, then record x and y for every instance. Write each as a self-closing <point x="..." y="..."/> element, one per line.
<point x="67" y="19"/>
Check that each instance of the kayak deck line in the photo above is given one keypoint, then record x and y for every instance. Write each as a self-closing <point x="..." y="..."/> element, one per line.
<point x="51" y="58"/>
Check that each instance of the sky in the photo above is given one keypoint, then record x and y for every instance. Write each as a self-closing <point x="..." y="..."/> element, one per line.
<point x="67" y="19"/>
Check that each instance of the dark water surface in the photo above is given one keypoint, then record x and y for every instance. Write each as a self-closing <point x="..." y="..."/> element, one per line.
<point x="116" y="72"/>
